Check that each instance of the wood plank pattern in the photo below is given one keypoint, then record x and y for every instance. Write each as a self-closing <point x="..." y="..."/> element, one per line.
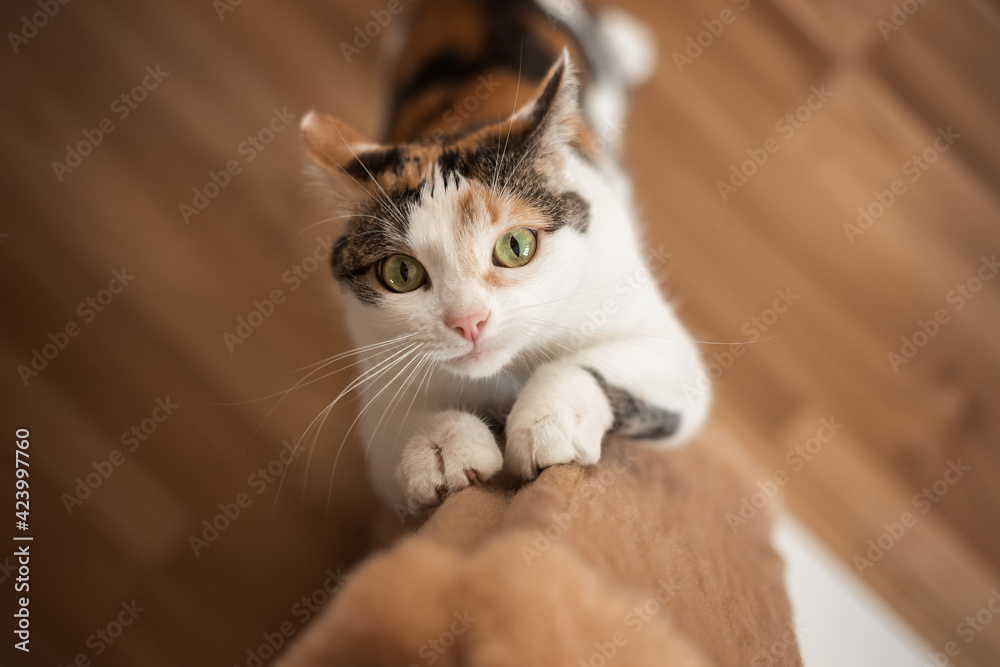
<point x="786" y="228"/>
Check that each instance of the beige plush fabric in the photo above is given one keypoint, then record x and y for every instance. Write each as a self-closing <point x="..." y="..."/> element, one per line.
<point x="631" y="562"/>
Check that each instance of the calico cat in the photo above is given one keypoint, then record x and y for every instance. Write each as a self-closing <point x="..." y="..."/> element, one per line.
<point x="490" y="261"/>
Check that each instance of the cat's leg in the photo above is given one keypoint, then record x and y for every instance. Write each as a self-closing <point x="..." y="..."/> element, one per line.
<point x="646" y="388"/>
<point x="439" y="453"/>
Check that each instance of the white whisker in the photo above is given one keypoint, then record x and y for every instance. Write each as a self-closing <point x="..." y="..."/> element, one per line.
<point x="368" y="376"/>
<point x="361" y="413"/>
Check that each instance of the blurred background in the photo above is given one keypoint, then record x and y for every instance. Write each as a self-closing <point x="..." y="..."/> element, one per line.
<point x="824" y="175"/>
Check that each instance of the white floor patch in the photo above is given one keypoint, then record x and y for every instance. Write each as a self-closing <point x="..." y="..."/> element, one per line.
<point x="840" y="621"/>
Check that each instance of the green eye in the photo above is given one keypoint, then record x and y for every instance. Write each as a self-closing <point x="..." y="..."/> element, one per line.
<point x="402" y="273"/>
<point x="515" y="248"/>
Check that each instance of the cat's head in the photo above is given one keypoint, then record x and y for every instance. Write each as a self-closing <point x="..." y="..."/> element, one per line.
<point x="470" y="246"/>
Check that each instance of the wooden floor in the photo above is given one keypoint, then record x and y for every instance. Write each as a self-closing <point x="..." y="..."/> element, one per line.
<point x="915" y="270"/>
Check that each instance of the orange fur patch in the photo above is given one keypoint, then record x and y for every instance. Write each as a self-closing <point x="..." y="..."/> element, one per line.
<point x="440" y="26"/>
<point x="457" y="28"/>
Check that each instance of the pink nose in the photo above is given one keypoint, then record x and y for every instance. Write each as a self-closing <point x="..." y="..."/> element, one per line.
<point x="469" y="327"/>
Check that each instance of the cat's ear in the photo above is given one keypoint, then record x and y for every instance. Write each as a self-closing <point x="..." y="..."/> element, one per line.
<point x="551" y="120"/>
<point x="332" y="143"/>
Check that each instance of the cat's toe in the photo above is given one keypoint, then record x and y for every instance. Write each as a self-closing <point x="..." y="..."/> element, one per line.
<point x="456" y="451"/>
<point x="548" y="433"/>
<point x="421" y="474"/>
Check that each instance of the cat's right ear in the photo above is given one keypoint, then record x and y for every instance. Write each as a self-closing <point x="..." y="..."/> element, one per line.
<point x="332" y="143"/>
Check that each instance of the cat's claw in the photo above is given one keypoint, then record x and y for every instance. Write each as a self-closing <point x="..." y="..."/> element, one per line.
<point x="456" y="450"/>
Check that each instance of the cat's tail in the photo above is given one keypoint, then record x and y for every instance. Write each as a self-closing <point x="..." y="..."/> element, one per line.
<point x="620" y="46"/>
<point x="630" y="44"/>
<point x="622" y="51"/>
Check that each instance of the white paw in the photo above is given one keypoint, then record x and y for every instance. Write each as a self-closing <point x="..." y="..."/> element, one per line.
<point x="560" y="416"/>
<point x="455" y="450"/>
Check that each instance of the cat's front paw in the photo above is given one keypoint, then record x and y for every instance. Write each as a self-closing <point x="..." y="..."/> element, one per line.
<point x="560" y="416"/>
<point x="455" y="450"/>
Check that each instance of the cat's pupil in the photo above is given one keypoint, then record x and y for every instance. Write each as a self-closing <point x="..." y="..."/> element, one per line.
<point x="404" y="271"/>
<point x="515" y="246"/>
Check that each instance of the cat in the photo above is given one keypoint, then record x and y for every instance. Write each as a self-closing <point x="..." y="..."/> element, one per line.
<point x="491" y="265"/>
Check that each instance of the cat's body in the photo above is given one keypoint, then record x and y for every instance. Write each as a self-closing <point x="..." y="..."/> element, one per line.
<point x="491" y="264"/>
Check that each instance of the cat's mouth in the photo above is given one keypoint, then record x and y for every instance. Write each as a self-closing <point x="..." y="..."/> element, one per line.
<point x="481" y="361"/>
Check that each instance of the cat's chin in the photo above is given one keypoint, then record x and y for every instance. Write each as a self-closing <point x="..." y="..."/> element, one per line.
<point x="480" y="363"/>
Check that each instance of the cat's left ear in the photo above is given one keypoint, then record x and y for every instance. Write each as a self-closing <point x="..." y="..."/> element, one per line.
<point x="550" y="122"/>
<point x="332" y="143"/>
